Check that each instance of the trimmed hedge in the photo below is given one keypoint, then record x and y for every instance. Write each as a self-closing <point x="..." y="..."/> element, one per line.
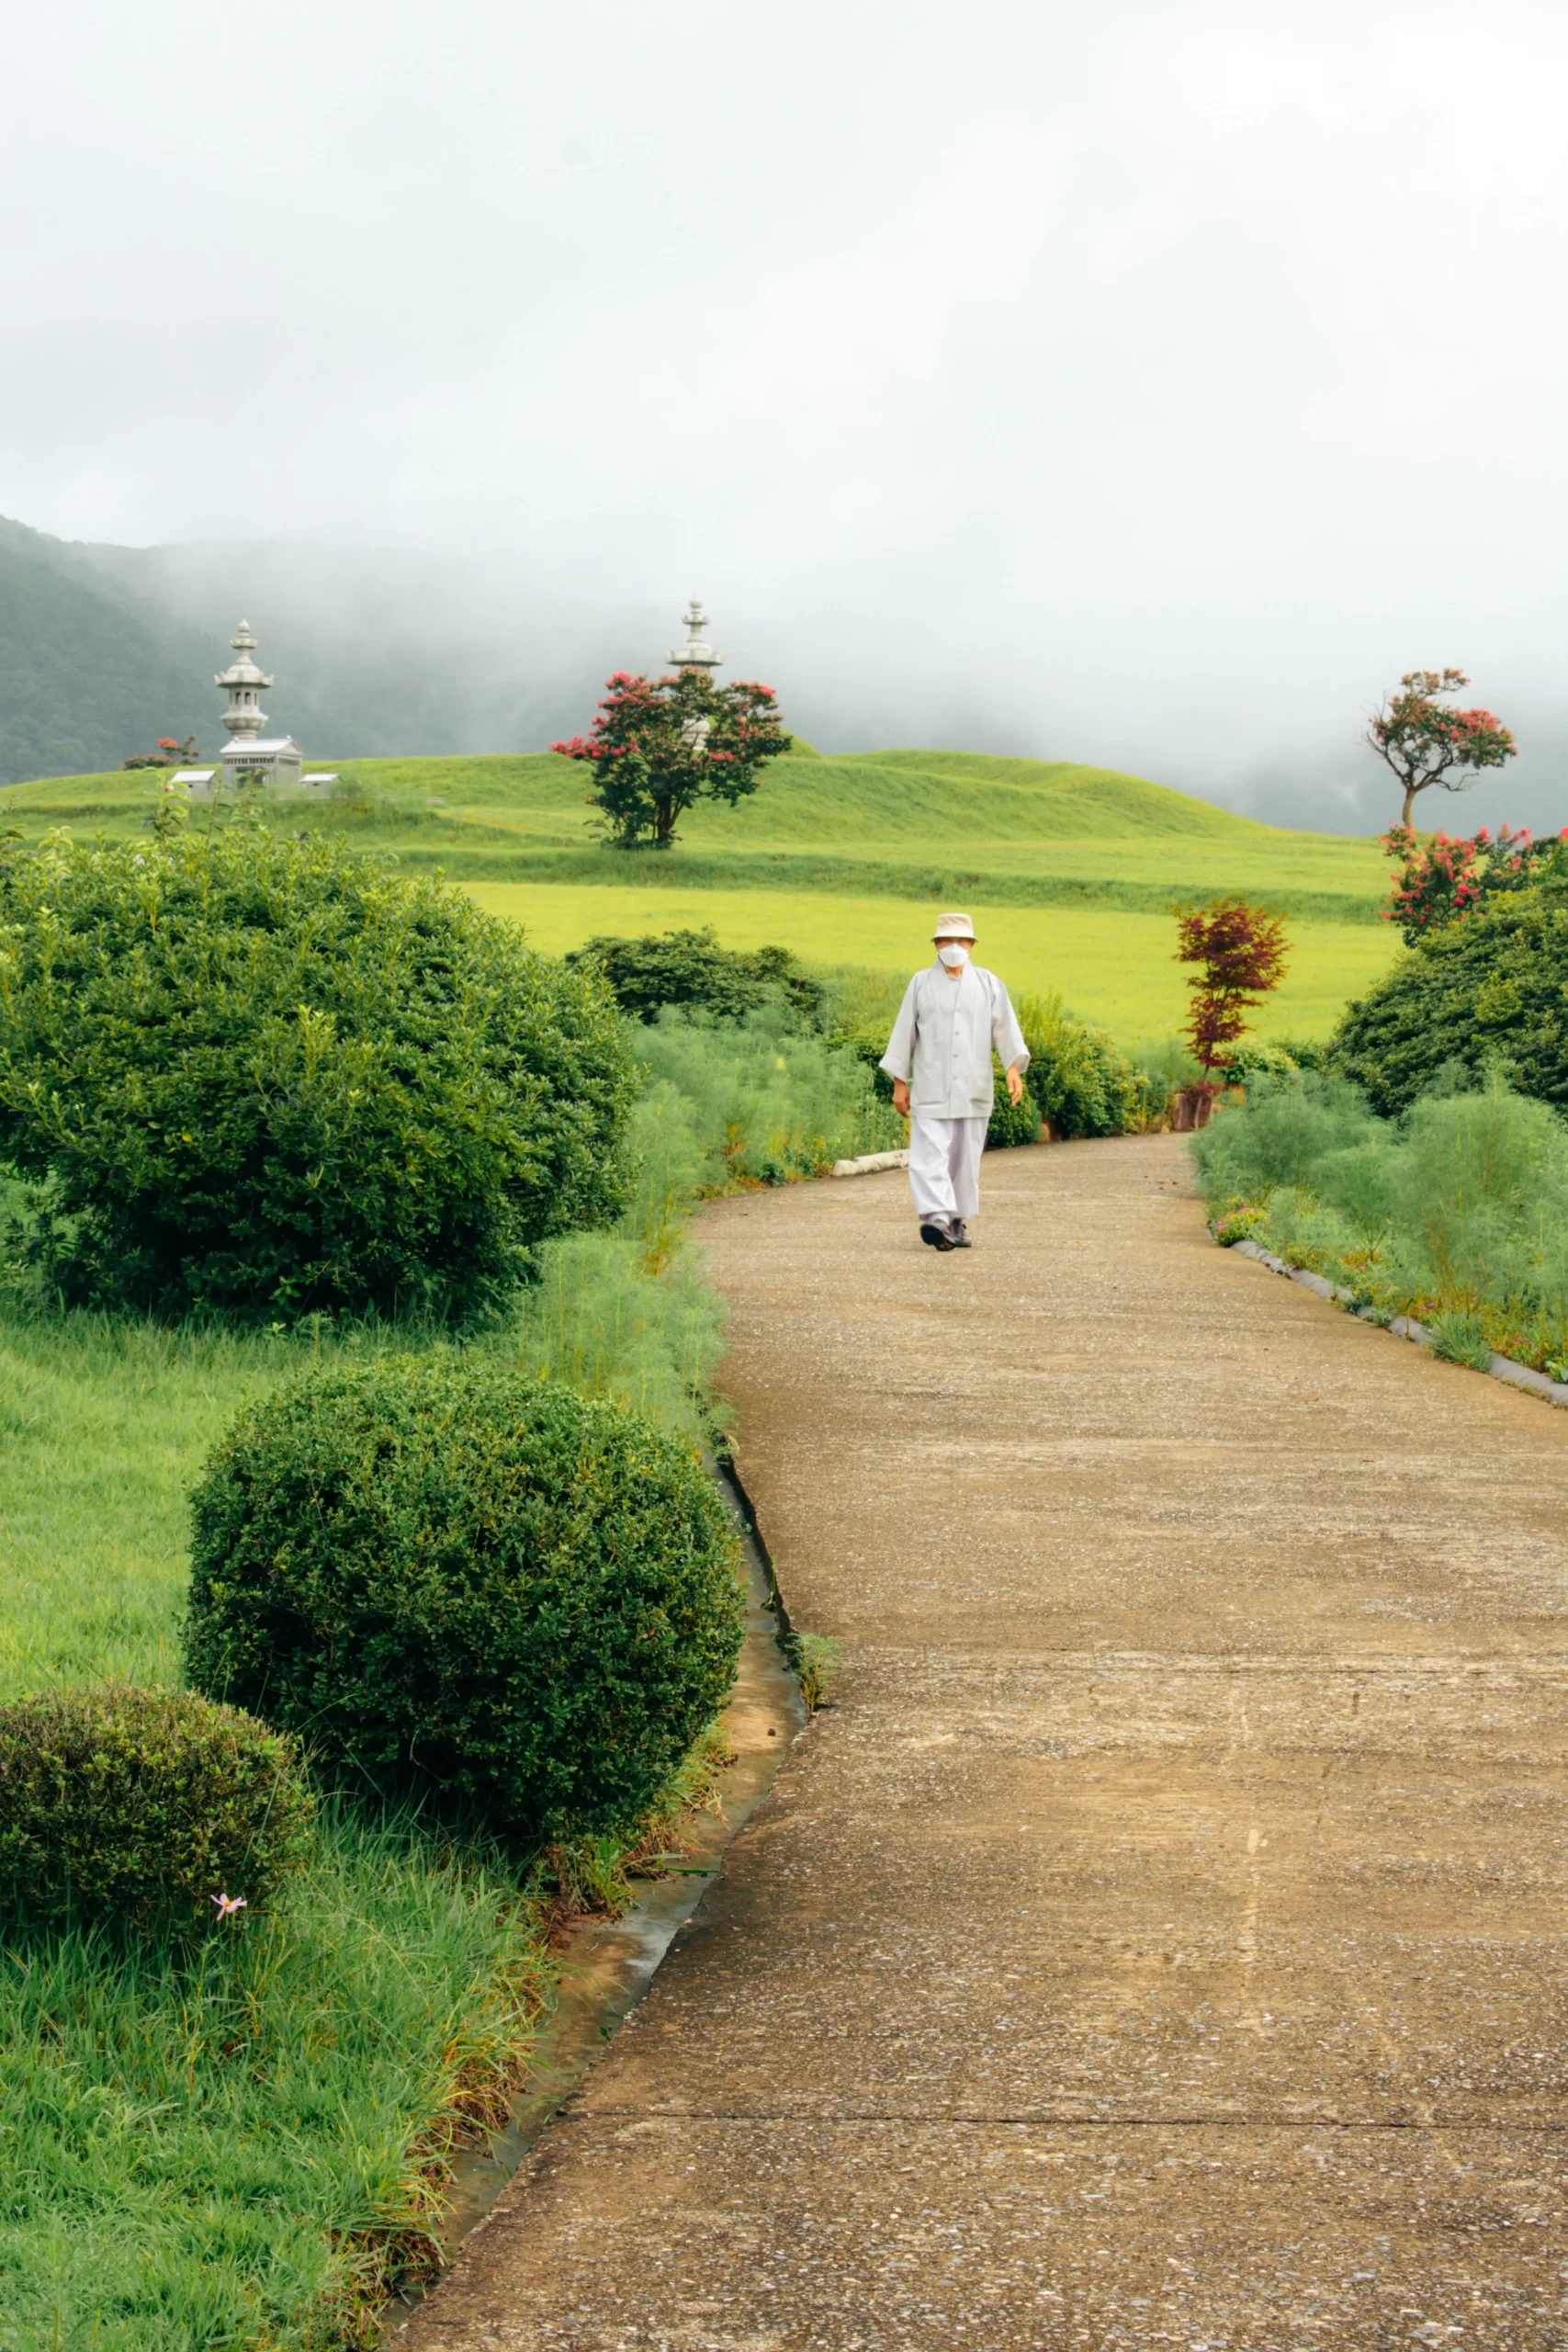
<point x="1490" y="989"/>
<point x="135" y="1808"/>
<point x="456" y="1583"/>
<point x="1078" y="1079"/>
<point x="261" y="1076"/>
<point x="689" y="968"/>
<point x="1012" y="1122"/>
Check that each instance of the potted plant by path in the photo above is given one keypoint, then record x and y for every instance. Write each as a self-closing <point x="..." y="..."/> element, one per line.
<point x="1240" y="955"/>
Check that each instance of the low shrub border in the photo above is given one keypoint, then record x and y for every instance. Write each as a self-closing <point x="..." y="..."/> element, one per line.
<point x="1403" y="1326"/>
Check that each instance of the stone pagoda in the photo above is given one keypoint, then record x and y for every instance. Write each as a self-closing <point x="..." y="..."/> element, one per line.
<point x="696" y="653"/>
<point x="276" y="758"/>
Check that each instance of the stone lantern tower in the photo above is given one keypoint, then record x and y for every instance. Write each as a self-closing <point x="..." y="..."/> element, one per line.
<point x="279" y="758"/>
<point x="244" y="718"/>
<point x="696" y="653"/>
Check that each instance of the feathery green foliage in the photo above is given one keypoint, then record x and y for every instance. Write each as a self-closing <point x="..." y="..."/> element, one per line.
<point x="1456" y="1213"/>
<point x="768" y="1100"/>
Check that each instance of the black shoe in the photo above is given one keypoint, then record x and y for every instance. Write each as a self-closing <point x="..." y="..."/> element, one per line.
<point x="936" y="1237"/>
<point x="960" y="1241"/>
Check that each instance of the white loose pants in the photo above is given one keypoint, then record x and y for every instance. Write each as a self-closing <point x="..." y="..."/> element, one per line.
<point x="944" y="1166"/>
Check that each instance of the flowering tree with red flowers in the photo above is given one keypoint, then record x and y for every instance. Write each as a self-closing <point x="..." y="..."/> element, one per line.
<point x="1241" y="955"/>
<point x="169" y="754"/>
<point x="658" y="744"/>
<point x="1440" y="880"/>
<point x="1425" y="741"/>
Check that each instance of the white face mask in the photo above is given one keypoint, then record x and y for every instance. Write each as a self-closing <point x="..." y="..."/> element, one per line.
<point x="953" y="956"/>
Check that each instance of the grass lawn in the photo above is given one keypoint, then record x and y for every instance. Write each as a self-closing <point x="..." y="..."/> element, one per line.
<point x="1118" y="969"/>
<point x="228" y="2152"/>
<point x="1069" y="870"/>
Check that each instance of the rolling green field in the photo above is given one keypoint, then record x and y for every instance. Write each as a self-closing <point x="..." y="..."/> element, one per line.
<point x="1117" y="970"/>
<point x="1069" y="871"/>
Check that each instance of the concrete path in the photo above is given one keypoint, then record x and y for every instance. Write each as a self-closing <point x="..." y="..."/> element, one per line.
<point x="1161" y="1942"/>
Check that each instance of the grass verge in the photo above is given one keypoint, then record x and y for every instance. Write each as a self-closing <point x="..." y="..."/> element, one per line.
<point x="247" y="2148"/>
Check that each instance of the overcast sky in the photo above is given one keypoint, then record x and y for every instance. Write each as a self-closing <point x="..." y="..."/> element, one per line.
<point x="1142" y="385"/>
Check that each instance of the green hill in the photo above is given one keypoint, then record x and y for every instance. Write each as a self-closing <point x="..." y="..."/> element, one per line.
<point x="1068" y="870"/>
<point x="912" y="824"/>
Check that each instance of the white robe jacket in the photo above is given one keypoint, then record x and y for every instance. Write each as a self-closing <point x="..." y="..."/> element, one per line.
<point x="942" y="1042"/>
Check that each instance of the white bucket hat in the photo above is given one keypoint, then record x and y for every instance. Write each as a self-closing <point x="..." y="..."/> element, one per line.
<point x="953" y="926"/>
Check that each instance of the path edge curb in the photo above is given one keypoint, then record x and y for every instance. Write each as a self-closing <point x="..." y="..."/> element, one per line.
<point x="870" y="1163"/>
<point x="1403" y="1326"/>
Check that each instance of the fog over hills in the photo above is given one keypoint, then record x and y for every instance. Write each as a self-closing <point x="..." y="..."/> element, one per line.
<point x="400" y="650"/>
<point x="103" y="649"/>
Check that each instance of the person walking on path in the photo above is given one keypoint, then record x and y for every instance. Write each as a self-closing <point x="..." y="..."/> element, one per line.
<point x="939" y="1059"/>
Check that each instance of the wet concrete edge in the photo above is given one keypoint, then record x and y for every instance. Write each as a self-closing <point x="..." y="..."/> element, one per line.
<point x="610" y="1963"/>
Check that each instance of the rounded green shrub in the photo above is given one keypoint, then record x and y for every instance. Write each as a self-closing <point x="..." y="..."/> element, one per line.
<point x="1012" y="1122"/>
<point x="689" y="968"/>
<point x="139" y="1808"/>
<point x="1491" y="989"/>
<point x="261" y="1076"/>
<point x="1078" y="1079"/>
<point x="463" y="1585"/>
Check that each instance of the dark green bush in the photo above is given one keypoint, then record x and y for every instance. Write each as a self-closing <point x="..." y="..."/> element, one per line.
<point x="136" y="1808"/>
<point x="1489" y="990"/>
<point x="1079" y="1081"/>
<point x="1012" y="1123"/>
<point x="691" y="968"/>
<point x="1306" y="1053"/>
<point x="263" y="1076"/>
<point x="1252" y="1059"/>
<point x="461" y="1584"/>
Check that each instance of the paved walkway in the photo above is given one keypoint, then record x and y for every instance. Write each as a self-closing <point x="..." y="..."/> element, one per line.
<point x="1161" y="1942"/>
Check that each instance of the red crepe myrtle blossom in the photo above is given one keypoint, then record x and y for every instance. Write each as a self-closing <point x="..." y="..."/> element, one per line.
<point x="658" y="744"/>
<point x="1442" y="879"/>
<point x="1424" y="741"/>
<point x="169" y="753"/>
<point x="1241" y="951"/>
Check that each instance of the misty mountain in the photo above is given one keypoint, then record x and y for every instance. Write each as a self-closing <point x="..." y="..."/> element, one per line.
<point x="87" y="674"/>
<point x="392" y="652"/>
<point x="376" y="651"/>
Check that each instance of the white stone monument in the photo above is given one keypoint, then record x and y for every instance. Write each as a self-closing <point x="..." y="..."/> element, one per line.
<point x="696" y="653"/>
<point x="276" y="758"/>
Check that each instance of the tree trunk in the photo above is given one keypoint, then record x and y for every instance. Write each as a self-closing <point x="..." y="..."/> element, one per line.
<point x="1191" y="1107"/>
<point x="1410" y="792"/>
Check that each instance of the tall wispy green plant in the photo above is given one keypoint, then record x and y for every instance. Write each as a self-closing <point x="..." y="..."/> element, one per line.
<point x="768" y="1099"/>
<point x="1459" y="1208"/>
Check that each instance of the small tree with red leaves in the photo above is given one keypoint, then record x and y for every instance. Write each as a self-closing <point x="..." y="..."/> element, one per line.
<point x="1241" y="952"/>
<point x="1425" y="741"/>
<point x="658" y="744"/>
